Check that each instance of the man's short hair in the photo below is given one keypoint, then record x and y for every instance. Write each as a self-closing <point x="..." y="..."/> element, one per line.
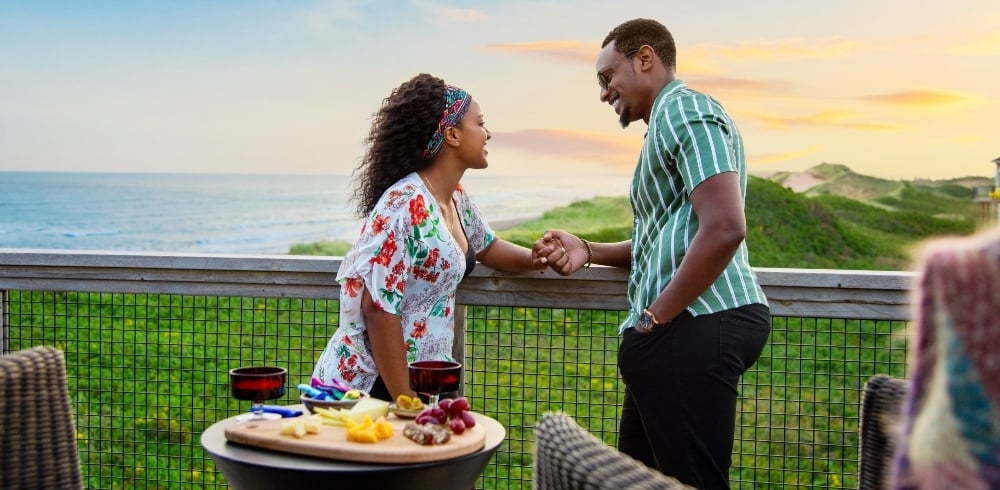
<point x="629" y="36"/>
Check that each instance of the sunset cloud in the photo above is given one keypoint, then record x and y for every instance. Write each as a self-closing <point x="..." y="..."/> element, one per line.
<point x="618" y="151"/>
<point x="586" y="52"/>
<point x="290" y="86"/>
<point x="766" y="158"/>
<point x="970" y="138"/>
<point x="698" y="60"/>
<point x="571" y="51"/>
<point x="837" y="119"/>
<point x="711" y="84"/>
<point x="782" y="50"/>
<point x="921" y="99"/>
<point x="986" y="45"/>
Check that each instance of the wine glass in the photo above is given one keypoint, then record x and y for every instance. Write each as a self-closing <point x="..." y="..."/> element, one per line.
<point x="432" y="378"/>
<point x="256" y="384"/>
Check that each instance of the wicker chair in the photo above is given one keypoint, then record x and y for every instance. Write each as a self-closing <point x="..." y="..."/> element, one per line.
<point x="568" y="457"/>
<point x="881" y="414"/>
<point x="37" y="437"/>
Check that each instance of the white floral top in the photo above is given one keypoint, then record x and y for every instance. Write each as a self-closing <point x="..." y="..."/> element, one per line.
<point x="411" y="266"/>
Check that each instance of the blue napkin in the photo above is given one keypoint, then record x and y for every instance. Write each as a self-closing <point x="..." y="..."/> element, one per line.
<point x="285" y="412"/>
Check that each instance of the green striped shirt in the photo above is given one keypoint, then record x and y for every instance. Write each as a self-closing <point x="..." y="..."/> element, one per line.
<point x="690" y="139"/>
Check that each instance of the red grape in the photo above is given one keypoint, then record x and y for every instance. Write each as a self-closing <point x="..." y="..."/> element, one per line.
<point x="449" y="414"/>
<point x="426" y="418"/>
<point x="459" y="405"/>
<point x="457" y="426"/>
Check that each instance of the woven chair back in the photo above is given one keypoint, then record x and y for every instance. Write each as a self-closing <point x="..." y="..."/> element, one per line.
<point x="37" y="437"/>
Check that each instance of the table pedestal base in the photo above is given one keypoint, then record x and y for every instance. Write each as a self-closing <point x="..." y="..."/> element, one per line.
<point x="459" y="473"/>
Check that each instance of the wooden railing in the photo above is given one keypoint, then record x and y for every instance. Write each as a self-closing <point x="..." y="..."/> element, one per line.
<point x="828" y="293"/>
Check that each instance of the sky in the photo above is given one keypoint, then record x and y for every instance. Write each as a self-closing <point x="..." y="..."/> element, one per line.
<point x="899" y="89"/>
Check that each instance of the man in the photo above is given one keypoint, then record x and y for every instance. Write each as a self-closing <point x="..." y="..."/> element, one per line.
<point x="697" y="317"/>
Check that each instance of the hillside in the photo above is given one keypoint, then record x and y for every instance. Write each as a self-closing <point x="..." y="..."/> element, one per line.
<point x="790" y="229"/>
<point x="952" y="196"/>
<point x="841" y="220"/>
<point x="844" y="221"/>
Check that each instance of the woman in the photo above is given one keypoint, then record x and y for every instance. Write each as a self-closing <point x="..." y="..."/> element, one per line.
<point x="422" y="236"/>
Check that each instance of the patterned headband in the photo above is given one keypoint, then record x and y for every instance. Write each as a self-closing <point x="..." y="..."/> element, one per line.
<point x="456" y="104"/>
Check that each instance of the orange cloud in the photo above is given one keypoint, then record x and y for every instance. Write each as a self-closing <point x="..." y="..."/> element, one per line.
<point x="766" y="158"/>
<point x="919" y="98"/>
<point x="727" y="84"/>
<point x="782" y="50"/>
<point x="697" y="60"/>
<point x="573" y="51"/>
<point x="837" y="119"/>
<point x="696" y="63"/>
<point x="987" y="45"/>
<point x="970" y="138"/>
<point x="619" y="151"/>
<point x="586" y="52"/>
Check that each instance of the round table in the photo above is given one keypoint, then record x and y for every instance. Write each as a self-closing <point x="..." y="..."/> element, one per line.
<point x="248" y="467"/>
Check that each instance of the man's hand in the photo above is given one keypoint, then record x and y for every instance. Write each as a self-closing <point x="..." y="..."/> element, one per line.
<point x="561" y="251"/>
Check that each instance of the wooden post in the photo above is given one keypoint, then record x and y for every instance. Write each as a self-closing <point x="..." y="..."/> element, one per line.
<point x="458" y="349"/>
<point x="4" y="322"/>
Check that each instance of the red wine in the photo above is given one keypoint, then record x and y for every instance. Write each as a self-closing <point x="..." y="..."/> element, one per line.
<point x="435" y="376"/>
<point x="257" y="384"/>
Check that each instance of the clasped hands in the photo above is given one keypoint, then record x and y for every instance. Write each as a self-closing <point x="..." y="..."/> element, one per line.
<point x="561" y="251"/>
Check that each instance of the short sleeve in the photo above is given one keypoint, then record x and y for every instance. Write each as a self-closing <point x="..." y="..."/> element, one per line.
<point x="477" y="230"/>
<point x="382" y="257"/>
<point x="705" y="140"/>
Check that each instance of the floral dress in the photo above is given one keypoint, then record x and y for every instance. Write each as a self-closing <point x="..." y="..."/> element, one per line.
<point x="411" y="266"/>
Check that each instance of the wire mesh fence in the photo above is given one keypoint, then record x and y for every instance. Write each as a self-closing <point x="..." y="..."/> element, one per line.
<point x="148" y="374"/>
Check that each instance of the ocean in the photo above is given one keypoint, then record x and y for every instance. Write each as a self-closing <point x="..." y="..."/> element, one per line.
<point x="232" y="214"/>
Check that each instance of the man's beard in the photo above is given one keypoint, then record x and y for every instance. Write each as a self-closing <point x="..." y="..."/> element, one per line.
<point x="625" y="118"/>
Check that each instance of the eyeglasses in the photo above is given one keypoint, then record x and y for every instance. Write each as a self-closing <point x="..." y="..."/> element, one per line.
<point x="603" y="78"/>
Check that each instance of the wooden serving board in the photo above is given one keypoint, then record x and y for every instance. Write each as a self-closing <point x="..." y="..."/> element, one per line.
<point x="332" y="443"/>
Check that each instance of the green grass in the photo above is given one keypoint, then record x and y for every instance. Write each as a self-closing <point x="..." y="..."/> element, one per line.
<point x="801" y="401"/>
<point x="333" y="248"/>
<point x="601" y="219"/>
<point x="148" y="374"/>
<point x="788" y="229"/>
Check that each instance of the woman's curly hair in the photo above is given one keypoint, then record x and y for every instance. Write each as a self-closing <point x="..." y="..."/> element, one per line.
<point x="399" y="133"/>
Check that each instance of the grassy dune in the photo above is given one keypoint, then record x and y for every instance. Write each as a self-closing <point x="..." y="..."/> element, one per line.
<point x="849" y="221"/>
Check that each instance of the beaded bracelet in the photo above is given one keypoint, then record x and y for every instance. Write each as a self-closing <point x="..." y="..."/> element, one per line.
<point x="590" y="254"/>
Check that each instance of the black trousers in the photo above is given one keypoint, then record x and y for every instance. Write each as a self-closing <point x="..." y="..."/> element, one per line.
<point x="681" y="381"/>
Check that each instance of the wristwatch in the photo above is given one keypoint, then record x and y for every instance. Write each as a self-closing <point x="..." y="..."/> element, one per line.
<point x="647" y="321"/>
